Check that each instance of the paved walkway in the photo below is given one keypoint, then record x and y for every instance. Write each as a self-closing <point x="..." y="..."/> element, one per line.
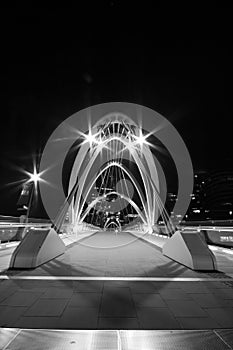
<point x="6" y="249"/>
<point x="224" y="256"/>
<point x="77" y="304"/>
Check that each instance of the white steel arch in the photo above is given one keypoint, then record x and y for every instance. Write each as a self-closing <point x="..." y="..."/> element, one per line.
<point x="101" y="172"/>
<point x="110" y="222"/>
<point x="148" y="186"/>
<point x="96" y="200"/>
<point x="98" y="141"/>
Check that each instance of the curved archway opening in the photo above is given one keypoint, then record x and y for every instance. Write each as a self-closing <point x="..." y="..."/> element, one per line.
<point x="110" y="214"/>
<point x="112" y="225"/>
<point x="117" y="137"/>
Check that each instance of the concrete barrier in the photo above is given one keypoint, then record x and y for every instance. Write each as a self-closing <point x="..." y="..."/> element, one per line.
<point x="190" y="249"/>
<point x="37" y="247"/>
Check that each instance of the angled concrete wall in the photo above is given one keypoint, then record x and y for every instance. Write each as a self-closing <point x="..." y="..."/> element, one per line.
<point x="38" y="247"/>
<point x="189" y="249"/>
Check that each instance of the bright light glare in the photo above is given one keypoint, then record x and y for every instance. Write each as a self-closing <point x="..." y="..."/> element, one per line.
<point x="35" y="177"/>
<point x="141" y="139"/>
<point x="91" y="138"/>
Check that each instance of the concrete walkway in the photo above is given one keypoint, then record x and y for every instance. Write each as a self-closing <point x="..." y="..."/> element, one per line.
<point x="224" y="256"/>
<point x="42" y="298"/>
<point x="6" y="249"/>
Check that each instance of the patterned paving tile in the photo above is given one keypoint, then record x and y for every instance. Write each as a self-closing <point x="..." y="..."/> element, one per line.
<point x="224" y="316"/>
<point x="85" y="300"/>
<point x="118" y="323"/>
<point x="117" y="304"/>
<point x="9" y="314"/>
<point x="57" y="293"/>
<point x="148" y="300"/>
<point x="198" y="322"/>
<point x="47" y="307"/>
<point x="21" y="298"/>
<point x="185" y="308"/>
<point x="79" y="318"/>
<point x="156" y="318"/>
<point x="174" y="294"/>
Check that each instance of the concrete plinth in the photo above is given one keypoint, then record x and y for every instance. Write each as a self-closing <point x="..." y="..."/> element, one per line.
<point x="37" y="247"/>
<point x="189" y="249"/>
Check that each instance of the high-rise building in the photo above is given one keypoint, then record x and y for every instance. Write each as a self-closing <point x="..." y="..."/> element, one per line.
<point x="196" y="209"/>
<point x="218" y="195"/>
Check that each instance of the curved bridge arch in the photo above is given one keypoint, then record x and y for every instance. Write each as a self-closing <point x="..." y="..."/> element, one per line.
<point x="141" y="169"/>
<point x="111" y="222"/>
<point x="105" y="134"/>
<point x="101" y="172"/>
<point x="98" y="199"/>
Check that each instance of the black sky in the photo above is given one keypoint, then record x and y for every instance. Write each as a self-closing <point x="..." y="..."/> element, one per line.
<point x="55" y="62"/>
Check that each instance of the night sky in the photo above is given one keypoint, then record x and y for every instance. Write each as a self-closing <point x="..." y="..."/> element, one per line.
<point x="56" y="62"/>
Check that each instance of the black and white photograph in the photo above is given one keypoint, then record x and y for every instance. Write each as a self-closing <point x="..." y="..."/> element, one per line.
<point x="116" y="176"/>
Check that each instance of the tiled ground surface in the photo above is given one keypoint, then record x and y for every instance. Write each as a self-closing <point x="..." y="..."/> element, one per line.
<point x="109" y="304"/>
<point x="114" y="304"/>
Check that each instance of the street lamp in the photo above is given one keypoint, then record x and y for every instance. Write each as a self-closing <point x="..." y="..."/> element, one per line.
<point x="34" y="178"/>
<point x="28" y="190"/>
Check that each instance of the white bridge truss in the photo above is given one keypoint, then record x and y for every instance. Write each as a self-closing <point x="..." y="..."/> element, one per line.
<point x="114" y="138"/>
